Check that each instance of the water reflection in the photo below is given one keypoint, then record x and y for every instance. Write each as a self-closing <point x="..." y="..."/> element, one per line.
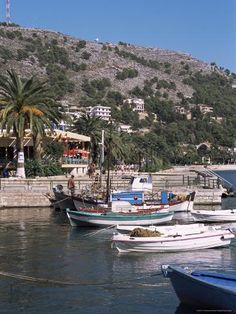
<point x="41" y="243"/>
<point x="143" y="263"/>
<point x="185" y="309"/>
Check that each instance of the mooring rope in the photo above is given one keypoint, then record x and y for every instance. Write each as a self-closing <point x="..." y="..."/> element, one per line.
<point x="55" y="203"/>
<point x="67" y="283"/>
<point x="100" y="230"/>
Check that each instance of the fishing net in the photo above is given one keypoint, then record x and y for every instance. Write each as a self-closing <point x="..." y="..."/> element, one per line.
<point x="141" y="232"/>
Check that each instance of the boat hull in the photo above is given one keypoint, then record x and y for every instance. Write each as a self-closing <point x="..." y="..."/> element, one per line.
<point x="214" y="216"/>
<point x="205" y="240"/>
<point x="169" y="230"/>
<point x="184" y="206"/>
<point x="79" y="218"/>
<point x="64" y="201"/>
<point x="80" y="202"/>
<point x="200" y="293"/>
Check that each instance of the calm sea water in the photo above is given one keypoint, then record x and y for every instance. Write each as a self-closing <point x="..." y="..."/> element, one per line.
<point x="230" y="176"/>
<point x="94" y="278"/>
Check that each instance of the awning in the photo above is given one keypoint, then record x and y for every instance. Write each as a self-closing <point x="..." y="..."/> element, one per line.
<point x="69" y="136"/>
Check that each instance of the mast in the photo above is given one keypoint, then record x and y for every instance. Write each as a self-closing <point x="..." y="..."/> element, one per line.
<point x="101" y="157"/>
<point x="108" y="187"/>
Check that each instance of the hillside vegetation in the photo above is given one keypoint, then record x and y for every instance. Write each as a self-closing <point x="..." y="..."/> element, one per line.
<point x="83" y="73"/>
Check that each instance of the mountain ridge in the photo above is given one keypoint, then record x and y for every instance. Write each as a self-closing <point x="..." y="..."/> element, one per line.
<point x="29" y="53"/>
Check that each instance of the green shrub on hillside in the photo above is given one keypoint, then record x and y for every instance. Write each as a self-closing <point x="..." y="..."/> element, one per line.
<point x="6" y="54"/>
<point x="81" y="44"/>
<point x="126" y="73"/>
<point x="22" y="54"/>
<point x="58" y="80"/>
<point x="85" y="55"/>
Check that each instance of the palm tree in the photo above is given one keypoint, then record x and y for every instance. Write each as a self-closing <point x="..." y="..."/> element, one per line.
<point x="26" y="104"/>
<point x="52" y="115"/>
<point x="90" y="126"/>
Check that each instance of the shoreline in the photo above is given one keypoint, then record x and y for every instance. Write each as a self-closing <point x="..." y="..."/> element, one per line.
<point x="199" y="167"/>
<point x="36" y="192"/>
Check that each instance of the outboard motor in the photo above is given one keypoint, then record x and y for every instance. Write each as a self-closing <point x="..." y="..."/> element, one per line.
<point x="59" y="188"/>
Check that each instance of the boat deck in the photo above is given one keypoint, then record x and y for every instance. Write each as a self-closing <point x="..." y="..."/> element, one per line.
<point x="225" y="281"/>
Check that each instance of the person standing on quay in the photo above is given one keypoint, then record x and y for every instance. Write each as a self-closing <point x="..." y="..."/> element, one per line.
<point x="71" y="184"/>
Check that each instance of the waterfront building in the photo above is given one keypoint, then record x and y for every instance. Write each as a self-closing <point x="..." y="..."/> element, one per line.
<point x="76" y="149"/>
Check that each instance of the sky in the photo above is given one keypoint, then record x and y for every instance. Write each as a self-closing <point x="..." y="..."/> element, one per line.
<point x="206" y="29"/>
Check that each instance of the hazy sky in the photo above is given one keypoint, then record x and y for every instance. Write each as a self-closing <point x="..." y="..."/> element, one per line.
<point x="204" y="28"/>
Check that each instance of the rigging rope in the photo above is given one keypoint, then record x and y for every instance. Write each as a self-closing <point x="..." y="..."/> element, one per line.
<point x="67" y="283"/>
<point x="100" y="230"/>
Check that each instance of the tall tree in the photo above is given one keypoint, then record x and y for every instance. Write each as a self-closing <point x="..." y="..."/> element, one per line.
<point x="26" y="104"/>
<point x="91" y="126"/>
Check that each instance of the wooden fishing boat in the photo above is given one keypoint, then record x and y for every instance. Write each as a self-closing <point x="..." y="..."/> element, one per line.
<point x="139" y="198"/>
<point x="214" y="215"/>
<point x="202" y="289"/>
<point x="63" y="200"/>
<point x="121" y="213"/>
<point x="210" y="238"/>
<point x="80" y="200"/>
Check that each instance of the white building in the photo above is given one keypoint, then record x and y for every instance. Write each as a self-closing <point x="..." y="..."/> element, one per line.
<point x="99" y="111"/>
<point x="183" y="111"/>
<point x="137" y="104"/>
<point x="180" y="110"/>
<point x="125" y="128"/>
<point x="73" y="111"/>
<point x="205" y="108"/>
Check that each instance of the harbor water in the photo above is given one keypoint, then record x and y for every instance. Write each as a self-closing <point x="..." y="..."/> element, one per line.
<point x="46" y="266"/>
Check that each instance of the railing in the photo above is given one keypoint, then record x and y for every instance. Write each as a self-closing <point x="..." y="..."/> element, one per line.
<point x="117" y="182"/>
<point x="73" y="160"/>
<point x="220" y="178"/>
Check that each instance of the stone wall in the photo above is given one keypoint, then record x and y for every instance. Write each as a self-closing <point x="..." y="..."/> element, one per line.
<point x="23" y="199"/>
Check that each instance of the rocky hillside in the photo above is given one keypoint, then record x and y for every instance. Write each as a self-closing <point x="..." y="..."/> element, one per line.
<point x="71" y="65"/>
<point x="83" y="73"/>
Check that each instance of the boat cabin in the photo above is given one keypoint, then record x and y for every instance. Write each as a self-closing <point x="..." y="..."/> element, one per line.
<point x="140" y="183"/>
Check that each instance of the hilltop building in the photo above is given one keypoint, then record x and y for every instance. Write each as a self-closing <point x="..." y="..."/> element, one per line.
<point x="99" y="111"/>
<point x="137" y="104"/>
<point x="125" y="128"/>
<point x="205" y="108"/>
<point x="182" y="110"/>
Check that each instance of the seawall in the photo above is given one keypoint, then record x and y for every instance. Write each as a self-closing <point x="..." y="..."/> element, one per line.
<point x="15" y="192"/>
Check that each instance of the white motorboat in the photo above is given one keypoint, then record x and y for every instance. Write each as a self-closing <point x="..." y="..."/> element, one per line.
<point x="222" y="215"/>
<point x="170" y="230"/>
<point x="210" y="238"/>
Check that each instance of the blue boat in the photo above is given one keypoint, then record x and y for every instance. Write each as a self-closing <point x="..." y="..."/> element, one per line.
<point x="203" y="289"/>
<point x="133" y="197"/>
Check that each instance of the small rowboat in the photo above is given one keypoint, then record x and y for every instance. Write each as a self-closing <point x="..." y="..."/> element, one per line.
<point x="205" y="290"/>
